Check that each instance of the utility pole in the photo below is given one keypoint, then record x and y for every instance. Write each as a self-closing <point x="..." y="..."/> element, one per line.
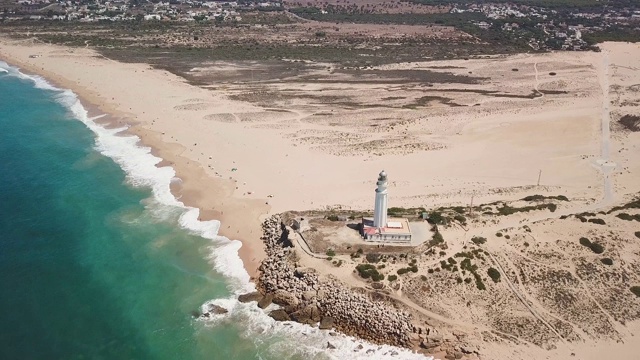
<point x="539" y="175"/>
<point x="471" y="203"/>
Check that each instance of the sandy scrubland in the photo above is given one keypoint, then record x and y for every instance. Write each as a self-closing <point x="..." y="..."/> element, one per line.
<point x="248" y="142"/>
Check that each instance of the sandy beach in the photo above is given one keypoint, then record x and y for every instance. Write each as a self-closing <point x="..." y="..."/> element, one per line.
<point x="239" y="161"/>
<point x="497" y="129"/>
<point x="213" y="195"/>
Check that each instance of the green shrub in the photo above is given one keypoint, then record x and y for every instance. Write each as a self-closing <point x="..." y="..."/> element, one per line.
<point x="479" y="240"/>
<point x="494" y="274"/>
<point x="637" y="233"/>
<point x="625" y="216"/>
<point x="331" y="253"/>
<point x="585" y="242"/>
<point x="392" y="277"/>
<point x="430" y="271"/>
<point x="332" y="217"/>
<point x="372" y="257"/>
<point x="452" y="261"/>
<point x="367" y="271"/>
<point x="461" y="219"/>
<point x="526" y="244"/>
<point x="597" y="221"/>
<point x="329" y="258"/>
<point x="436" y="218"/>
<point x="607" y="261"/>
<point x="636" y="290"/>
<point x="443" y="253"/>
<point x="360" y="251"/>
<point x="459" y="280"/>
<point x="436" y="239"/>
<point x="402" y="271"/>
<point x="467" y="280"/>
<point x="382" y="266"/>
<point x="596" y="248"/>
<point x="424" y="278"/>
<point x="414" y="269"/>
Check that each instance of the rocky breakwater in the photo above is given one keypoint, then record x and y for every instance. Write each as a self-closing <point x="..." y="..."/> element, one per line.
<point x="305" y="298"/>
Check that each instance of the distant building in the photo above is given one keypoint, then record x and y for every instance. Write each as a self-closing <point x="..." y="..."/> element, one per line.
<point x="383" y="229"/>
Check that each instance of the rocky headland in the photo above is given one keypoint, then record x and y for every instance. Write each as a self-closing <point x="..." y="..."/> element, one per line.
<point x="306" y="298"/>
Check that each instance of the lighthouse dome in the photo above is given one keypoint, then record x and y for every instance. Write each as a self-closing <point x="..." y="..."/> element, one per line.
<point x="382" y="176"/>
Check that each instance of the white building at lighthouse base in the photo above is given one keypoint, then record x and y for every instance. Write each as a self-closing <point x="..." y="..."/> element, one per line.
<point x="396" y="230"/>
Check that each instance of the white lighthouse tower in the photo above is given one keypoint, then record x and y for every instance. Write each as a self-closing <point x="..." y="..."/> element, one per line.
<point x="380" y="212"/>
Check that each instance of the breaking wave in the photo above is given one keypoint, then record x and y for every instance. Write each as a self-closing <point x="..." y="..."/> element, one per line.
<point x="273" y="339"/>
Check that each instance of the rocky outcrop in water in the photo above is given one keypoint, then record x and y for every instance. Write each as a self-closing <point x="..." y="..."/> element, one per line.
<point x="306" y="299"/>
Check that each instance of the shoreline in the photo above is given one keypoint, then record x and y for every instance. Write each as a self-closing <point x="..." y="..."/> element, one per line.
<point x="240" y="219"/>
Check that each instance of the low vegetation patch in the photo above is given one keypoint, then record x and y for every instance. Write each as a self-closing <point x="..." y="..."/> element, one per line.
<point x="508" y="210"/>
<point x="635" y="204"/>
<point x="637" y="233"/>
<point x="478" y="240"/>
<point x="607" y="261"/>
<point x="630" y="122"/>
<point x="494" y="274"/>
<point x="392" y="277"/>
<point x="598" y="221"/>
<point x="627" y="217"/>
<point x="635" y="290"/>
<point x="437" y="239"/>
<point x="373" y="257"/>
<point x="594" y="246"/>
<point x="542" y="197"/>
<point x="413" y="268"/>
<point x="368" y="271"/>
<point x="466" y="265"/>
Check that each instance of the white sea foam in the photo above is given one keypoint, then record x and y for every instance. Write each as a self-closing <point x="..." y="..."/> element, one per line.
<point x="140" y="166"/>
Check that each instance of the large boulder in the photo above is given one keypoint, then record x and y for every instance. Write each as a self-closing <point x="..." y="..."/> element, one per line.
<point x="280" y="315"/>
<point x="309" y="295"/>
<point x="285" y="298"/>
<point x="218" y="310"/>
<point x="307" y="315"/>
<point x="326" y="323"/>
<point x="265" y="301"/>
<point x="254" y="296"/>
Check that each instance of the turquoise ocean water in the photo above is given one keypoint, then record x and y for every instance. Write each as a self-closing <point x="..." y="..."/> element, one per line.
<point x="99" y="261"/>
